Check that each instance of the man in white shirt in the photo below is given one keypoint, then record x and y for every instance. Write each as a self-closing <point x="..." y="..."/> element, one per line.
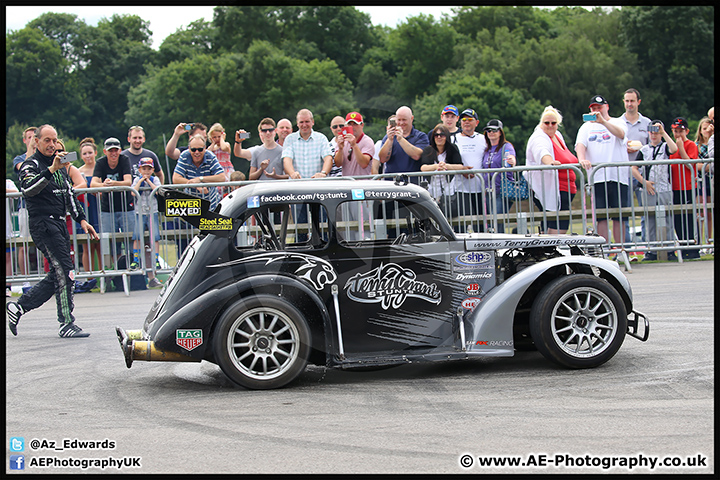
<point x="603" y="140"/>
<point x="472" y="147"/>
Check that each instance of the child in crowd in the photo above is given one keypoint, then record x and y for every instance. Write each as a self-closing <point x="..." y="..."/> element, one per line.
<point x="145" y="209"/>
<point x="237" y="177"/>
<point x="655" y="180"/>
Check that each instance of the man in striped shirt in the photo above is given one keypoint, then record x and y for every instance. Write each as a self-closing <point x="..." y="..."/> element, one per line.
<point x="194" y="167"/>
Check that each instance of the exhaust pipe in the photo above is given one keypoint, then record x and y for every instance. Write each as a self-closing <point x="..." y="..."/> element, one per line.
<point x="135" y="349"/>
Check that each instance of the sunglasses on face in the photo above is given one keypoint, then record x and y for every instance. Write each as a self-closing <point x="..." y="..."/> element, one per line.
<point x="267" y="130"/>
<point x="439" y="134"/>
<point x="550" y="123"/>
<point x="492" y="130"/>
<point x="338" y="126"/>
<point x="197" y="149"/>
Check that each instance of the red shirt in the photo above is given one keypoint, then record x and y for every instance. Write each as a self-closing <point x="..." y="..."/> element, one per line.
<point x="566" y="178"/>
<point x="681" y="177"/>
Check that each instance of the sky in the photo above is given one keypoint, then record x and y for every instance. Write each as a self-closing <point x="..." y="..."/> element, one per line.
<point x="166" y="20"/>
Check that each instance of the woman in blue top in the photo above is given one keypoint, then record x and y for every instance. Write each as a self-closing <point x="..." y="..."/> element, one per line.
<point x="499" y="154"/>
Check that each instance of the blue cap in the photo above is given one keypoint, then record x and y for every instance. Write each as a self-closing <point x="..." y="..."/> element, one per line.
<point x="450" y="109"/>
<point x="469" y="112"/>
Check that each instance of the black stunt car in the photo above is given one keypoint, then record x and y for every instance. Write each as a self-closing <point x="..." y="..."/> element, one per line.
<point x="366" y="274"/>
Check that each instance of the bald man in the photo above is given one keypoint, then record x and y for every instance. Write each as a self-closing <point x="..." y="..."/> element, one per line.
<point x="403" y="144"/>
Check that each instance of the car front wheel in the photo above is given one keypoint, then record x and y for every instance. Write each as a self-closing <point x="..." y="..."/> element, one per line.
<point x="262" y="342"/>
<point x="578" y="321"/>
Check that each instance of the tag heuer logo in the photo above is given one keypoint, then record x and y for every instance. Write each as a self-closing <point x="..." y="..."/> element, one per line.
<point x="189" y="339"/>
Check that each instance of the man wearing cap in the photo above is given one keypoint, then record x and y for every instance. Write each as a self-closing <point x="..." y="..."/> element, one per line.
<point x="449" y="117"/>
<point x="403" y="145"/>
<point x="355" y="150"/>
<point x="146" y="209"/>
<point x="655" y="182"/>
<point x="603" y="140"/>
<point x="472" y="147"/>
<point x="683" y="178"/>
<point x="355" y="155"/>
<point x="49" y="195"/>
<point x="117" y="212"/>
<point x="136" y="139"/>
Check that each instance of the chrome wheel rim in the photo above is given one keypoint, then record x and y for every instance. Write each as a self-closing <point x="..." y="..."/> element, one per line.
<point x="584" y="322"/>
<point x="263" y="343"/>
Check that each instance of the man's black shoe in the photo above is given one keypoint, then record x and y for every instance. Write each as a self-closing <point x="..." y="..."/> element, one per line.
<point x="71" y="330"/>
<point x="14" y="312"/>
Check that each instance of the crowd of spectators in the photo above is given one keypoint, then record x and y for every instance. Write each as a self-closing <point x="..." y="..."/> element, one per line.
<point x="308" y="153"/>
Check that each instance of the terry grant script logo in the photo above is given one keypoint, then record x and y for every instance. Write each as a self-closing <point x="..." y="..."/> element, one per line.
<point x="390" y="285"/>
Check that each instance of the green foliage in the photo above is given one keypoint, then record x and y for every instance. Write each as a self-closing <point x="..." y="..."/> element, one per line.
<point x="340" y="33"/>
<point x="421" y="48"/>
<point x="14" y="146"/>
<point x="675" y="55"/>
<point x="197" y="38"/>
<point x="67" y="31"/>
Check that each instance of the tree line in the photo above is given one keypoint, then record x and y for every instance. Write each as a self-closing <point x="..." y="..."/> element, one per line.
<point x="249" y="62"/>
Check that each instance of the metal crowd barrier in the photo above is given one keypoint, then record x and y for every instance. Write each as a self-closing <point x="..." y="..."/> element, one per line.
<point x="682" y="220"/>
<point x="465" y="212"/>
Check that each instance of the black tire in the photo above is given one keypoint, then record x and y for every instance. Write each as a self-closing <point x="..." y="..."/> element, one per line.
<point x="262" y="342"/>
<point x="578" y="321"/>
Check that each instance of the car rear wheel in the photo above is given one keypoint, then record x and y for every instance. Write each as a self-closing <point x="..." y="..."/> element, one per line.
<point x="578" y="321"/>
<point x="262" y="342"/>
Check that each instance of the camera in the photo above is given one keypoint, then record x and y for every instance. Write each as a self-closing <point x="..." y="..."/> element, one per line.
<point x="347" y="130"/>
<point x="188" y="126"/>
<point x="70" y="157"/>
<point x="589" y="117"/>
<point x="243" y="135"/>
<point x="392" y="123"/>
<point x="653" y="128"/>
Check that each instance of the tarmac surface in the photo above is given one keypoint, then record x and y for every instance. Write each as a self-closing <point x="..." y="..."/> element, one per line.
<point x="72" y="406"/>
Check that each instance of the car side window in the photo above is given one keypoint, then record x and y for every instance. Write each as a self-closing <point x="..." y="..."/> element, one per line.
<point x="308" y="226"/>
<point x="284" y="226"/>
<point x="378" y="222"/>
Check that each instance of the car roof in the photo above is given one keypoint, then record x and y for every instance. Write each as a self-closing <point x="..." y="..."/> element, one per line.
<point x="326" y="191"/>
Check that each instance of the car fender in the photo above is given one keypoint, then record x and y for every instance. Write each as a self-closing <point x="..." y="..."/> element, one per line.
<point x="490" y="324"/>
<point x="210" y="305"/>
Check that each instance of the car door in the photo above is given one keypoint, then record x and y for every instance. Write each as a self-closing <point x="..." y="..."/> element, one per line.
<point x="397" y="290"/>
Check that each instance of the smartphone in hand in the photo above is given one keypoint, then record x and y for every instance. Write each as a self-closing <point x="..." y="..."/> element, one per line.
<point x="70" y="157"/>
